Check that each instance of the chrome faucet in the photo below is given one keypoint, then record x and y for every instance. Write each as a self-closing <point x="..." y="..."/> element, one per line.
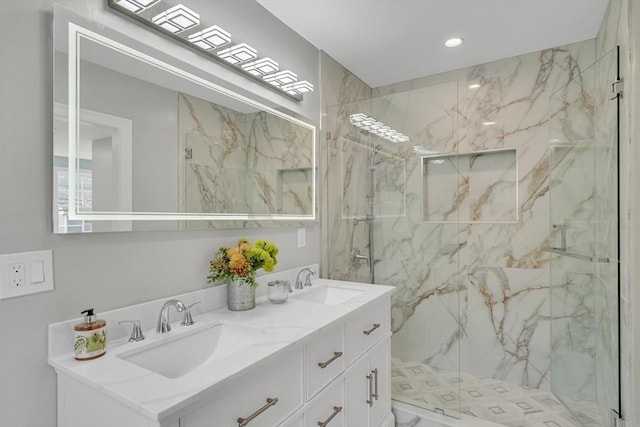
<point x="307" y="282"/>
<point x="163" y="319"/>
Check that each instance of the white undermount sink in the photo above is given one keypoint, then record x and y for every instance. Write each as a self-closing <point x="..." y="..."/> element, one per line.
<point x="176" y="356"/>
<point x="328" y="294"/>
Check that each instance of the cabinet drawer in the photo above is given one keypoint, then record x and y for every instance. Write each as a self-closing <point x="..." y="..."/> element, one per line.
<point x="270" y="392"/>
<point x="325" y="358"/>
<point x="364" y="328"/>
<point x="327" y="408"/>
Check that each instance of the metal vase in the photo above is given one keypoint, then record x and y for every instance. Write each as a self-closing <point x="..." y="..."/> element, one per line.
<point x="241" y="295"/>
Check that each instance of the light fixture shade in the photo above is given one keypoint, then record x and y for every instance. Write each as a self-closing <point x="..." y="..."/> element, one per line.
<point x="375" y="127"/>
<point x="177" y="19"/>
<point x="298" y="88"/>
<point x="303" y="86"/>
<point x="210" y="38"/>
<point x="281" y="78"/>
<point x="238" y="54"/>
<point x="357" y="118"/>
<point x="136" y="6"/>
<point x="261" y="67"/>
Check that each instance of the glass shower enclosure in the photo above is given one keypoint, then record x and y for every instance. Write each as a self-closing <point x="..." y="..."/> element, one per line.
<point x="584" y="206"/>
<point x="503" y="309"/>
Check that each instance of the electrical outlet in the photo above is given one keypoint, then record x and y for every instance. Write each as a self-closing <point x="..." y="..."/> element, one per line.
<point x="25" y="273"/>
<point x="16" y="275"/>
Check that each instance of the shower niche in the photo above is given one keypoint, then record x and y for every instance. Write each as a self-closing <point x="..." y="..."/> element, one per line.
<point x="471" y="187"/>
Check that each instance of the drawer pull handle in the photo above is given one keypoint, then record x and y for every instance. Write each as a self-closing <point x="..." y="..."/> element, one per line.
<point x="336" y="354"/>
<point x="336" y="411"/>
<point x="244" y="421"/>
<point x="375" y="326"/>
<point x="373" y="386"/>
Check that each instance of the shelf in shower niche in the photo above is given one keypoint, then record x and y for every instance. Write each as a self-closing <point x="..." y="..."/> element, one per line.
<point x="475" y="187"/>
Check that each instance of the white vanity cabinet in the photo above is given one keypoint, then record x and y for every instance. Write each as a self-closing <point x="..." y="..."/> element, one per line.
<point x="367" y="385"/>
<point x="353" y="357"/>
<point x="304" y="365"/>
<point x="262" y="396"/>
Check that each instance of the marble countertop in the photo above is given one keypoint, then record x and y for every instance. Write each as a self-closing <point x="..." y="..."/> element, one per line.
<point x="279" y="326"/>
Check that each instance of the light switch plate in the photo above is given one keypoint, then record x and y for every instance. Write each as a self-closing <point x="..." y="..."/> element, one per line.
<point x="36" y="274"/>
<point x="302" y="238"/>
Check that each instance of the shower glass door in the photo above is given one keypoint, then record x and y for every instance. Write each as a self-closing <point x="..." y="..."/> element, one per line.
<point x="393" y="220"/>
<point x="584" y="244"/>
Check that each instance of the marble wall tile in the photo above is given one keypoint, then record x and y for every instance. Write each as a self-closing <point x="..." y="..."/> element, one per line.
<point x="251" y="162"/>
<point x="464" y="289"/>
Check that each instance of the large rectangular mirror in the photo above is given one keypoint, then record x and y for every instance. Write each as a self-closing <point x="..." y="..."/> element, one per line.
<point x="143" y="143"/>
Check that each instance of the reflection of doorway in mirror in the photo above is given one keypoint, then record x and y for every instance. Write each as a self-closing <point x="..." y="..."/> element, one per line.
<point x="104" y="170"/>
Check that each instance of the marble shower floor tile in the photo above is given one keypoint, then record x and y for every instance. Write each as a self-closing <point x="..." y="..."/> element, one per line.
<point x="486" y="398"/>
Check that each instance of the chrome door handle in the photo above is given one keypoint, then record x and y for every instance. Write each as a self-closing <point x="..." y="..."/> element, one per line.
<point x="244" y="421"/>
<point x="336" y="354"/>
<point x="336" y="411"/>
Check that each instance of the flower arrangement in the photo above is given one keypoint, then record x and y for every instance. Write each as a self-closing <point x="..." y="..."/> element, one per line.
<point x="242" y="261"/>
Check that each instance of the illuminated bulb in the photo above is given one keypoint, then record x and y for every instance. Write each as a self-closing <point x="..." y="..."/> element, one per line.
<point x="210" y="38"/>
<point x="177" y="19"/>
<point x="474" y="86"/>
<point x="261" y="67"/>
<point x="136" y="6"/>
<point x="239" y="53"/>
<point x="453" y="42"/>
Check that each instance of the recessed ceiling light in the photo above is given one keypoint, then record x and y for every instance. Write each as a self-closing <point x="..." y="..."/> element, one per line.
<point x="474" y="86"/>
<point x="453" y="42"/>
<point x="488" y="123"/>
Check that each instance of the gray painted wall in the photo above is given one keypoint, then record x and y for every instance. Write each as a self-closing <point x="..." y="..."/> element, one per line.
<point x="111" y="270"/>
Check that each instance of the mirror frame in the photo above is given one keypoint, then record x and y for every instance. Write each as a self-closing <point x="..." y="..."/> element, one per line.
<point x="75" y="34"/>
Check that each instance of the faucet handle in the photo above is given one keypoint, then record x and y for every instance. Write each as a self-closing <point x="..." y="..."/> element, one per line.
<point x="187" y="320"/>
<point x="312" y="272"/>
<point x="136" y="332"/>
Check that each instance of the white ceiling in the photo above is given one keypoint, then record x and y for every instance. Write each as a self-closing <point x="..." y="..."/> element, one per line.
<point x="389" y="41"/>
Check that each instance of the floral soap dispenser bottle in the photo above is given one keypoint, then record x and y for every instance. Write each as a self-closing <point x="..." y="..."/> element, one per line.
<point x="90" y="339"/>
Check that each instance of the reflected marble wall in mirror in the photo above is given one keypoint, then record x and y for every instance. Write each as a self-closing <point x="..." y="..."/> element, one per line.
<point x="142" y="144"/>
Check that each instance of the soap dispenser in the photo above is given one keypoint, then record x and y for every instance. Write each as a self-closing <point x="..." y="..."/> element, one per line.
<point x="90" y="337"/>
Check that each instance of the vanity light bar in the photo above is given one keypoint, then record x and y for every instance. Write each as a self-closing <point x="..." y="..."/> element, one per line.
<point x="377" y="128"/>
<point x="210" y="38"/>
<point x="281" y="78"/>
<point x="136" y="6"/>
<point x="238" y="54"/>
<point x="177" y="19"/>
<point x="262" y="67"/>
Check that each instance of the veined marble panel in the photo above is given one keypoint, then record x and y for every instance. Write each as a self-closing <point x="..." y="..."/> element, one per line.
<point x="470" y="296"/>
<point x="243" y="162"/>
<point x="471" y="187"/>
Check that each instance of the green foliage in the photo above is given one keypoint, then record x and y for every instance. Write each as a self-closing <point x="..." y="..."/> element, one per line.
<point x="242" y="261"/>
